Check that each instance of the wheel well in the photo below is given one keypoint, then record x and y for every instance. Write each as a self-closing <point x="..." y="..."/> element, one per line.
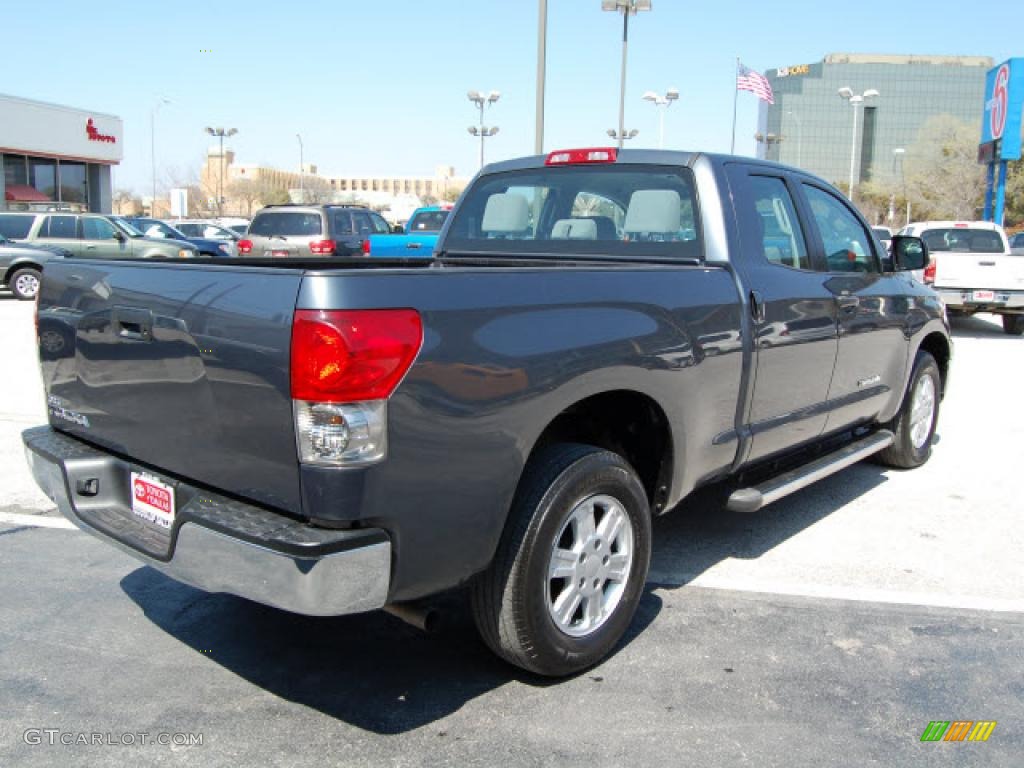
<point x="20" y="265"/>
<point x="629" y="423"/>
<point x="937" y="345"/>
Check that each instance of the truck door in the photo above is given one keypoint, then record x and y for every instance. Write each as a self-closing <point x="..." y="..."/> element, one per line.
<point x="794" y="313"/>
<point x="873" y="310"/>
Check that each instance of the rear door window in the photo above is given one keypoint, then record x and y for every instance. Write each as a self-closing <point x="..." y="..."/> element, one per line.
<point x="59" y="227"/>
<point x="362" y="224"/>
<point x="342" y="223"/>
<point x="286" y="223"/>
<point x="782" y="239"/>
<point x="379" y="225"/>
<point x="15" y="227"/>
<point x="617" y="211"/>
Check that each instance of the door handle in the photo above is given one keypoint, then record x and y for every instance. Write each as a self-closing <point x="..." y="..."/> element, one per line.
<point x="134" y="324"/>
<point x="413" y="245"/>
<point x="848" y="303"/>
<point x="757" y="309"/>
<point x="90" y="247"/>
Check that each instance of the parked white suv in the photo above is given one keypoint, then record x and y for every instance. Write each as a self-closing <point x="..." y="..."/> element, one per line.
<point x="973" y="269"/>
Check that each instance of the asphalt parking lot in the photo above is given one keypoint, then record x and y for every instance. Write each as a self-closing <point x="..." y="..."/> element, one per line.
<point x="829" y="629"/>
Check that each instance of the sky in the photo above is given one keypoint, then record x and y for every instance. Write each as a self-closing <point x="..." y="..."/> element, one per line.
<point x="379" y="87"/>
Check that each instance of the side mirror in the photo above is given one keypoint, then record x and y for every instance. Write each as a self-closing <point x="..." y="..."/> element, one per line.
<point x="119" y="235"/>
<point x="908" y="253"/>
<point x="397" y="229"/>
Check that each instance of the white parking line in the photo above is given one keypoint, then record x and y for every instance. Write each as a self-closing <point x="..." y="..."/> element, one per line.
<point x="36" y="521"/>
<point x="832" y="592"/>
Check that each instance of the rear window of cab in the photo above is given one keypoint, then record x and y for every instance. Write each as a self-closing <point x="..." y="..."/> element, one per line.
<point x="608" y="210"/>
<point x="963" y="239"/>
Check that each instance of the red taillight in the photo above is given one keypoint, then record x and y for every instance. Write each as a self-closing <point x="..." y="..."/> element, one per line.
<point x="929" y="271"/>
<point x="578" y="156"/>
<point x="245" y="246"/>
<point x="346" y="356"/>
<point x="365" y="247"/>
<point x="321" y="247"/>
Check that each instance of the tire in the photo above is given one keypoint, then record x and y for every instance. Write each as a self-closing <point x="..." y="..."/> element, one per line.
<point x="24" y="283"/>
<point x="1013" y="325"/>
<point x="514" y="601"/>
<point x="915" y="428"/>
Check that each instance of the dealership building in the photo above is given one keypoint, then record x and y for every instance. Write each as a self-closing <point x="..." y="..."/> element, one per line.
<point x="811" y="125"/>
<point x="56" y="157"/>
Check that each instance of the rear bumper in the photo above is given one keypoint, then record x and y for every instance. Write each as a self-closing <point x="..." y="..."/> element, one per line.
<point x="963" y="297"/>
<point x="215" y="543"/>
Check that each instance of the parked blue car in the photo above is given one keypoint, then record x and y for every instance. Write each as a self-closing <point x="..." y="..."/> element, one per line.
<point x="419" y="237"/>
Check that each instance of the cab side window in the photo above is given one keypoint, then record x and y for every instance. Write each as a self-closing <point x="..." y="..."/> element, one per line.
<point x="781" y="238"/>
<point x="847" y="244"/>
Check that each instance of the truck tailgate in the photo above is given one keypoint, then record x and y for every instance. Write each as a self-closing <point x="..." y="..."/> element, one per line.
<point x="184" y="369"/>
<point x="989" y="271"/>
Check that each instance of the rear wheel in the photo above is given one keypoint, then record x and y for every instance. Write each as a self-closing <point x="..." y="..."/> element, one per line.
<point x="571" y="565"/>
<point x="25" y="283"/>
<point x="914" y="425"/>
<point x="1013" y="325"/>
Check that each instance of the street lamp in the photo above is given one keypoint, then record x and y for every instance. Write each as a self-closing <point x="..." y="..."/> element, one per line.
<point x="898" y="154"/>
<point x="302" y="190"/>
<point x="627" y="8"/>
<point x="855" y="100"/>
<point x="621" y="137"/>
<point x="220" y="133"/>
<point x="799" y="136"/>
<point x="664" y="102"/>
<point x="483" y="101"/>
<point x="152" y="147"/>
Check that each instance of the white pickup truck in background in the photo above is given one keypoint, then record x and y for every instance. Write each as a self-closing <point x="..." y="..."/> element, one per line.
<point x="973" y="269"/>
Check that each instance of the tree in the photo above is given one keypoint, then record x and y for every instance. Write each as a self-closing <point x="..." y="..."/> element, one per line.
<point x="451" y="194"/>
<point x="272" y="193"/>
<point x="944" y="179"/>
<point x="316" y="190"/>
<point x="428" y="199"/>
<point x="246" y="191"/>
<point x="127" y="203"/>
<point x="1014" y="207"/>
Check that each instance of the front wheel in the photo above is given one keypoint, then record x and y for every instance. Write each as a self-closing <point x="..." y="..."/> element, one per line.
<point x="25" y="284"/>
<point x="1013" y="325"/>
<point x="571" y="565"/>
<point x="914" y="424"/>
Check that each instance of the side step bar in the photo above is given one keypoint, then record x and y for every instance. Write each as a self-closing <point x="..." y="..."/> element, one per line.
<point x="753" y="499"/>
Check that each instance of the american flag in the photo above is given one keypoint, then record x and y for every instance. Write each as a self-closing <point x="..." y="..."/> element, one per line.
<point x="749" y="80"/>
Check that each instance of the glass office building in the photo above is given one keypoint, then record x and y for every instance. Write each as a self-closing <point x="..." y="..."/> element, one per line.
<point x="811" y="126"/>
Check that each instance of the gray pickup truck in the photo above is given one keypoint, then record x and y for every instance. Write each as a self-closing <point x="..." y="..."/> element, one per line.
<point x="598" y="334"/>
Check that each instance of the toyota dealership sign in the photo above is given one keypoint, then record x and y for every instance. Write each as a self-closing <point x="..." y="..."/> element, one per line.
<point x="51" y="130"/>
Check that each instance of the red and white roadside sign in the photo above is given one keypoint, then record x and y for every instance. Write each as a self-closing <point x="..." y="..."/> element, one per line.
<point x="152" y="500"/>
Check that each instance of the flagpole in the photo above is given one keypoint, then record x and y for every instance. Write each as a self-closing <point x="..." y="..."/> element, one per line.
<point x="735" y="98"/>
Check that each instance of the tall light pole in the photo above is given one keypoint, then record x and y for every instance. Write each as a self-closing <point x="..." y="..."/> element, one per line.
<point x="855" y="100"/>
<point x="302" y="188"/>
<point x="799" y="136"/>
<point x="898" y="154"/>
<point x="542" y="47"/>
<point x="662" y="103"/>
<point x="152" y="147"/>
<point x="627" y="8"/>
<point x="482" y="102"/>
<point x="220" y="133"/>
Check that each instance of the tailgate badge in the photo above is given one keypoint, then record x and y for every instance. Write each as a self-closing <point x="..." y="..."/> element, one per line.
<point x="58" y="410"/>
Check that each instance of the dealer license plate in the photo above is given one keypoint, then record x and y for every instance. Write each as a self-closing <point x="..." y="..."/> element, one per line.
<point x="152" y="500"/>
<point x="983" y="295"/>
